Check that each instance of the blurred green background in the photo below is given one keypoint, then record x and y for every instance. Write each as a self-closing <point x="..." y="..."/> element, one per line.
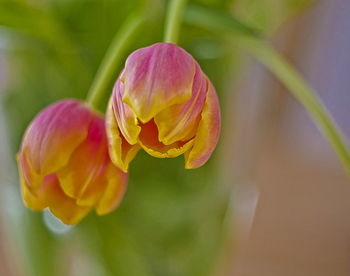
<point x="172" y="222"/>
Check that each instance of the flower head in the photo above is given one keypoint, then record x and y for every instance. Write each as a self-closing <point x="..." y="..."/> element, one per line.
<point x="164" y="103"/>
<point x="64" y="163"/>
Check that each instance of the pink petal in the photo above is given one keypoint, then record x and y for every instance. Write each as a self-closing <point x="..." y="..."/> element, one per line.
<point x="54" y="134"/>
<point x="156" y="77"/>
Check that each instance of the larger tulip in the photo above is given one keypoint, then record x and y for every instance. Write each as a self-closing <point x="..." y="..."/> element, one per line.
<point x="164" y="103"/>
<point x="64" y="163"/>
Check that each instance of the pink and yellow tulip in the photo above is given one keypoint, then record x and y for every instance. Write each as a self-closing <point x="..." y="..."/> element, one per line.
<point x="164" y="103"/>
<point x="64" y="163"/>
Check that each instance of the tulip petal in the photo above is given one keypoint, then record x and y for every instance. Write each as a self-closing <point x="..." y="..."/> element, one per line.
<point x="114" y="192"/>
<point x="124" y="115"/>
<point x="32" y="180"/>
<point x="179" y="122"/>
<point x="35" y="202"/>
<point x="208" y="132"/>
<point x="156" y="77"/>
<point x="54" y="134"/>
<point x="91" y="194"/>
<point x="85" y="162"/>
<point x="148" y="140"/>
<point x="62" y="206"/>
<point x="120" y="151"/>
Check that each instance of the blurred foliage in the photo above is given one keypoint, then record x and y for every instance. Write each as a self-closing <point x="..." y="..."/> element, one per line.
<point x="171" y="220"/>
<point x="268" y="15"/>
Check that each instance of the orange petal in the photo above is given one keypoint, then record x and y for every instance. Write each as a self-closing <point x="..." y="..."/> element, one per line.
<point x="91" y="194"/>
<point x="86" y="161"/>
<point x="62" y="206"/>
<point x="148" y="140"/>
<point x="114" y="192"/>
<point x="36" y="202"/>
<point x="120" y="151"/>
<point x="32" y="180"/>
<point x="54" y="134"/>
<point x="208" y="132"/>
<point x="125" y="117"/>
<point x="156" y="77"/>
<point x="179" y="122"/>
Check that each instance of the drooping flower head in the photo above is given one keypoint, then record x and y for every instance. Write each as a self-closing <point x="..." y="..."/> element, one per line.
<point x="164" y="103"/>
<point x="64" y="163"/>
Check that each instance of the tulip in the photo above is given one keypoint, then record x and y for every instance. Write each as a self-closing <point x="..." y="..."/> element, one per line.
<point x="164" y="103"/>
<point x="64" y="163"/>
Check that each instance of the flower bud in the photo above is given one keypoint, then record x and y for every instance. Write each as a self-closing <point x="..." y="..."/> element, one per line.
<point x="164" y="103"/>
<point x="64" y="163"/>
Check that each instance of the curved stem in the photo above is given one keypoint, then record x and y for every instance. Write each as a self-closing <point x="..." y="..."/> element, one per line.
<point x="302" y="92"/>
<point x="221" y="22"/>
<point x="112" y="59"/>
<point x="173" y="20"/>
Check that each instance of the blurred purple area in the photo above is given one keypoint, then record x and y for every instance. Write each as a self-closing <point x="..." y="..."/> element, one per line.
<point x="300" y="225"/>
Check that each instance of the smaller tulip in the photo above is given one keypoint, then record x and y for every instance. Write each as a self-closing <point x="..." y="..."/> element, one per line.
<point x="164" y="103"/>
<point x="64" y="163"/>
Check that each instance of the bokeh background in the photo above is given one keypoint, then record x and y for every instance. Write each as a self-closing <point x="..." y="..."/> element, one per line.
<point x="273" y="200"/>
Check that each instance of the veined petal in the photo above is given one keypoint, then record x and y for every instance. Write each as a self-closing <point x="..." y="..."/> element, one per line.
<point x="120" y="151"/>
<point x="124" y="115"/>
<point x="179" y="122"/>
<point x="32" y="180"/>
<point x="156" y="77"/>
<point x="86" y="161"/>
<point x="62" y="206"/>
<point x="208" y="132"/>
<point x="35" y="202"/>
<point x="114" y="191"/>
<point x="148" y="140"/>
<point x="54" y="134"/>
<point x="91" y="194"/>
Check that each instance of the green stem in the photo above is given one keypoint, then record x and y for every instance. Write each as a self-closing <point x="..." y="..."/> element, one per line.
<point x="111" y="61"/>
<point x="302" y="92"/>
<point x="173" y="20"/>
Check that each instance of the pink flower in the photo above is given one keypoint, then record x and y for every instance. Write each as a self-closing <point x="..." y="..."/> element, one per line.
<point x="64" y="163"/>
<point x="164" y="103"/>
